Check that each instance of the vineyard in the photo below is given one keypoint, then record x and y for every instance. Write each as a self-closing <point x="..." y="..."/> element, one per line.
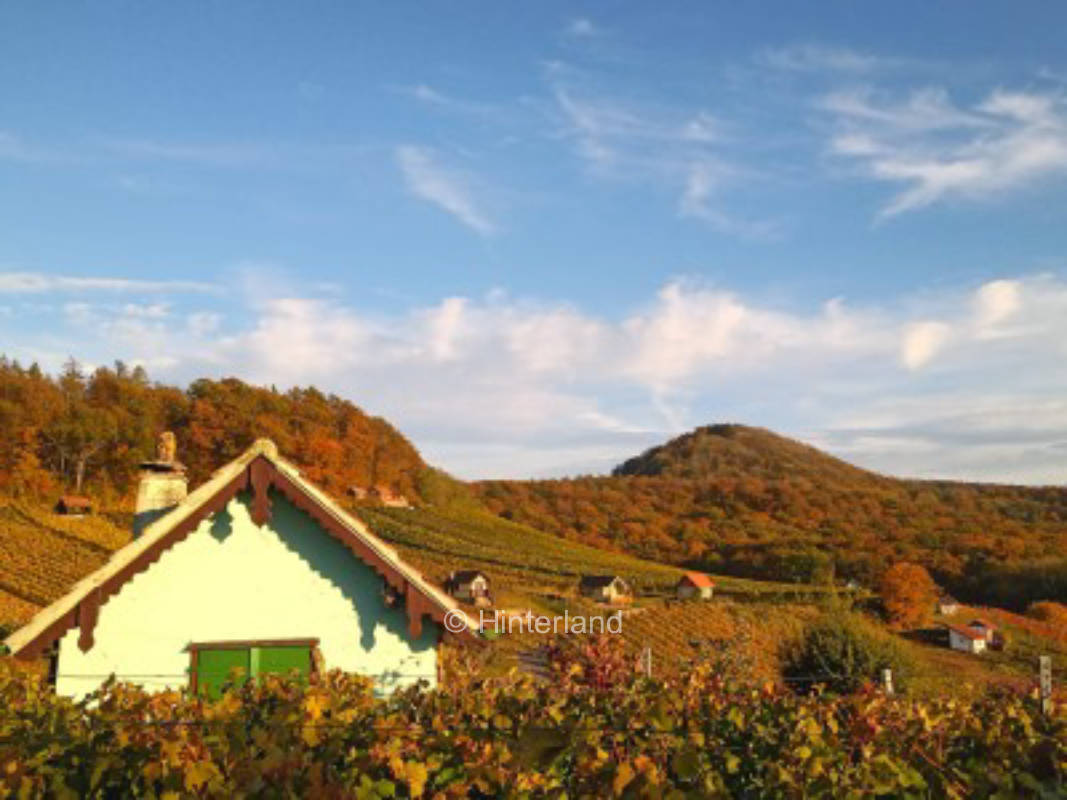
<point x="38" y="562"/>
<point x="522" y="559"/>
<point x="634" y="737"/>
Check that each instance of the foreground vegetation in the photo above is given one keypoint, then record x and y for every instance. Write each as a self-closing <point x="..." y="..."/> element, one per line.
<point x="595" y="731"/>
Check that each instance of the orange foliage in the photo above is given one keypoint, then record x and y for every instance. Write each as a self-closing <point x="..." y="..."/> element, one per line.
<point x="909" y="594"/>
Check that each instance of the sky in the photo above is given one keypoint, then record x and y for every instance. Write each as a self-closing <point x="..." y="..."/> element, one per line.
<point x="542" y="237"/>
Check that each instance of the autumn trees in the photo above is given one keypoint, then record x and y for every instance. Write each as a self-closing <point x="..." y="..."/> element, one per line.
<point x="81" y="431"/>
<point x="753" y="504"/>
<point x="909" y="594"/>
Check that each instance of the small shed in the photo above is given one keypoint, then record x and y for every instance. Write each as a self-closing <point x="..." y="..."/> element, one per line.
<point x="984" y="627"/>
<point x="966" y="639"/>
<point x="605" y="588"/>
<point x="947" y="605"/>
<point x="74" y="505"/>
<point x="695" y="586"/>
<point x="469" y="585"/>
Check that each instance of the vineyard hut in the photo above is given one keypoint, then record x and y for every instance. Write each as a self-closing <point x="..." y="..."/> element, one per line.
<point x="947" y="605"/>
<point x="469" y="585"/>
<point x="984" y="627"/>
<point x="695" y="586"/>
<point x="605" y="588"/>
<point x="966" y="639"/>
<point x="74" y="505"/>
<point x="257" y="569"/>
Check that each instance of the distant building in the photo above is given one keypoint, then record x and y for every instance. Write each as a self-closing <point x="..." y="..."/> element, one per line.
<point x="695" y="586"/>
<point x="947" y="605"/>
<point x="966" y="639"/>
<point x="469" y="585"/>
<point x="984" y="627"/>
<point x="74" y="505"/>
<point x="379" y="494"/>
<point x="605" y="588"/>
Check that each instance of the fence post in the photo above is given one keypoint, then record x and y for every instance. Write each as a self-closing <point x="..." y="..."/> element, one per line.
<point x="1045" y="672"/>
<point x="887" y="681"/>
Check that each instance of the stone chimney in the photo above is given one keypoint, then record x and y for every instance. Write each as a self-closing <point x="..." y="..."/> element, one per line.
<point x="163" y="484"/>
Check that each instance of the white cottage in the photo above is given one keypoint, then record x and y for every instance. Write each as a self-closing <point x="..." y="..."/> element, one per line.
<point x="968" y="640"/>
<point x="257" y="569"/>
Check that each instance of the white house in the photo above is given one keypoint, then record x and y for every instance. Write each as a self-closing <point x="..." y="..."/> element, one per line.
<point x="257" y="569"/>
<point x="987" y="629"/>
<point x="966" y="639"/>
<point x="470" y="585"/>
<point x="605" y="588"/>
<point x="695" y="585"/>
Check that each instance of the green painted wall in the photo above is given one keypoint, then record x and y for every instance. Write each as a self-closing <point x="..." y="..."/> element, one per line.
<point x="230" y="579"/>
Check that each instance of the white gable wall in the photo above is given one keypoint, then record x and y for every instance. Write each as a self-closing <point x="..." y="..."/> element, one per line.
<point x="232" y="580"/>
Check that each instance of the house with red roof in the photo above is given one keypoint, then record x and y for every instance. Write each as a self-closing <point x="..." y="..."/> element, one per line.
<point x="695" y="586"/>
<point x="966" y="639"/>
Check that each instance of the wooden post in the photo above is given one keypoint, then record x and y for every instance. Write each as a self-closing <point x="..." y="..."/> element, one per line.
<point x="887" y="681"/>
<point x="1045" y="671"/>
<point x="647" y="661"/>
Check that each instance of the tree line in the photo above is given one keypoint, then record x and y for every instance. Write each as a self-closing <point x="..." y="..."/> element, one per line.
<point x="86" y="431"/>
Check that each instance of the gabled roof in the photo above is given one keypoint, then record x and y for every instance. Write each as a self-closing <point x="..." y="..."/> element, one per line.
<point x="462" y="576"/>
<point x="599" y="581"/>
<point x="257" y="469"/>
<point x="979" y="622"/>
<point x="698" y="579"/>
<point x="968" y="633"/>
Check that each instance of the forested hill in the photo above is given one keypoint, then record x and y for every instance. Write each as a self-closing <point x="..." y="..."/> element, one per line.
<point x="729" y="498"/>
<point x="740" y="451"/>
<point x="87" y="432"/>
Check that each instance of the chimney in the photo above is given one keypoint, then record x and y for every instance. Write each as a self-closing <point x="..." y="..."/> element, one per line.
<point x="163" y="484"/>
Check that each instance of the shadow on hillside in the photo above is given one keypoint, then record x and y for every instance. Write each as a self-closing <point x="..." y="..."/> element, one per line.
<point x="934" y="636"/>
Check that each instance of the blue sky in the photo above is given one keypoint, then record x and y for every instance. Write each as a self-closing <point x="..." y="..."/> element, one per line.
<point x="540" y="237"/>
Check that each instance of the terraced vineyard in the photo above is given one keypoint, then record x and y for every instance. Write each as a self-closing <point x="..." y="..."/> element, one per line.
<point x="513" y="555"/>
<point x="43" y="554"/>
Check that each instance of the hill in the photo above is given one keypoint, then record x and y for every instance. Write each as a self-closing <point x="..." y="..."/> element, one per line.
<point x="747" y="502"/>
<point x="87" y="432"/>
<point x="740" y="451"/>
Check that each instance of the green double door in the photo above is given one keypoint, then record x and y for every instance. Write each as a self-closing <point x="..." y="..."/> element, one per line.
<point x="217" y="666"/>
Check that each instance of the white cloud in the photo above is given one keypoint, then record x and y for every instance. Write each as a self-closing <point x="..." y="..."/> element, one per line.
<point x="238" y="154"/>
<point x="997" y="301"/>
<point x="41" y="282"/>
<point x="428" y="180"/>
<point x="922" y="341"/>
<point x="506" y="386"/>
<point x="683" y="151"/>
<point x="938" y="150"/>
<point x="820" y="58"/>
<point x="581" y="27"/>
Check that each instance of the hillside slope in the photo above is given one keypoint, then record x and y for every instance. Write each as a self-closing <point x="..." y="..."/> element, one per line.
<point x="748" y="502"/>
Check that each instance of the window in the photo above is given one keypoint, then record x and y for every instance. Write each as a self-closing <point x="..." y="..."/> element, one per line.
<point x="213" y="664"/>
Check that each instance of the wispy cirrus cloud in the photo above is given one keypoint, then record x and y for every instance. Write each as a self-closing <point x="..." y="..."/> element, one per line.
<point x="685" y="151"/>
<point x="42" y="282"/>
<point x="812" y="57"/>
<point x="938" y="150"/>
<point x="445" y="188"/>
<point x="216" y="154"/>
